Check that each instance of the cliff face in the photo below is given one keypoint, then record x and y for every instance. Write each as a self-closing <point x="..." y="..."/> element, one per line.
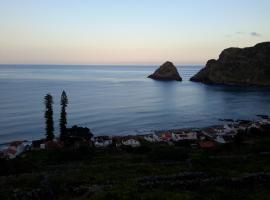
<point x="235" y="66"/>
<point x="166" y="72"/>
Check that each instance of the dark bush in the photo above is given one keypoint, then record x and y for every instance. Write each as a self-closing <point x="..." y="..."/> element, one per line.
<point x="266" y="129"/>
<point x="70" y="154"/>
<point x="144" y="149"/>
<point x="15" y="166"/>
<point x="184" y="143"/>
<point x="81" y="132"/>
<point x="164" y="153"/>
<point x="254" y="131"/>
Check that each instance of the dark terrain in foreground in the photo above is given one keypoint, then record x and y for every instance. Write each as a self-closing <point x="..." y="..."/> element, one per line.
<point x="237" y="170"/>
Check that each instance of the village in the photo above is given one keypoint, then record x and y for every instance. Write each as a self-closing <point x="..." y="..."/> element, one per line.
<point x="196" y="138"/>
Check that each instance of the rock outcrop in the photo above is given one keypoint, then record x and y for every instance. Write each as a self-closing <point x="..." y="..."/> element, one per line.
<point x="166" y="72"/>
<point x="236" y="66"/>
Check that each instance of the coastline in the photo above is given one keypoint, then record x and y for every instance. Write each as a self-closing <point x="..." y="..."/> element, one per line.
<point x="232" y="125"/>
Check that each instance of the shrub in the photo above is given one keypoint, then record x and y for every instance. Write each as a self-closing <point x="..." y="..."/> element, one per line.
<point x="166" y="153"/>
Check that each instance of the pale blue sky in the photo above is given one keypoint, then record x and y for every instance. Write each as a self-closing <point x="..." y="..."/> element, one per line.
<point x="128" y="31"/>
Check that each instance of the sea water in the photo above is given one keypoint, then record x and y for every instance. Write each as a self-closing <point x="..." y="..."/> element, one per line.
<point x="117" y="100"/>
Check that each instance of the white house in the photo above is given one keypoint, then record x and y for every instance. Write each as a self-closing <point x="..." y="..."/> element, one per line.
<point x="14" y="149"/>
<point x="220" y="139"/>
<point x="255" y="125"/>
<point x="184" y="136"/>
<point x="43" y="146"/>
<point x="220" y="132"/>
<point x="149" y="138"/>
<point x="192" y="136"/>
<point x="131" y="142"/>
<point x="103" y="143"/>
<point x="228" y="129"/>
<point x="210" y="132"/>
<point x="157" y="138"/>
<point x="178" y="137"/>
<point x="264" y="121"/>
<point x="152" y="138"/>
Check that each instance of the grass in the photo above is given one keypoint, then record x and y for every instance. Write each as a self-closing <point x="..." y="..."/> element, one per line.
<point x="117" y="174"/>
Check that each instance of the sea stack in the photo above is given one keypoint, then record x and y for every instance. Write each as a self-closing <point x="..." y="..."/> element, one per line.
<point x="166" y="72"/>
<point x="236" y="66"/>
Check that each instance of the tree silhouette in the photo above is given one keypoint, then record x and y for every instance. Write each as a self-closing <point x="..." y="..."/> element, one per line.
<point x="63" y="116"/>
<point x="48" y="101"/>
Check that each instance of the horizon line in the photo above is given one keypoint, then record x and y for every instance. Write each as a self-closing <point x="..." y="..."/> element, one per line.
<point x="99" y="64"/>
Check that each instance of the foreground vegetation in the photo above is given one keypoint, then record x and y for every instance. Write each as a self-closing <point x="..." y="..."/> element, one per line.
<point x="239" y="170"/>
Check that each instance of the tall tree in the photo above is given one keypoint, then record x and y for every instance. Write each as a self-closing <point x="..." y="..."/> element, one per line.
<point x="63" y="116"/>
<point x="48" y="101"/>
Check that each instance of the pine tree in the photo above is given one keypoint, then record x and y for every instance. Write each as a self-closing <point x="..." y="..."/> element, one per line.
<point x="63" y="116"/>
<point x="48" y="101"/>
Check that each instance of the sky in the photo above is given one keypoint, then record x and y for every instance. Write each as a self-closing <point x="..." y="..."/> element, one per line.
<point x="128" y="31"/>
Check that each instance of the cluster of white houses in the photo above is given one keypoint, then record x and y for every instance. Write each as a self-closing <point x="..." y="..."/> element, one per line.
<point x="171" y="136"/>
<point x="15" y="148"/>
<point x="106" y="141"/>
<point x="204" y="138"/>
<point x="135" y="141"/>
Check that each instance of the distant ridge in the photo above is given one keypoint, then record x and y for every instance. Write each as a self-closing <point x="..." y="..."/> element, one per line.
<point x="236" y="66"/>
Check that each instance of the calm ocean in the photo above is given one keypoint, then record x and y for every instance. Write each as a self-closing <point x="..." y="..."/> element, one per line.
<point x="117" y="100"/>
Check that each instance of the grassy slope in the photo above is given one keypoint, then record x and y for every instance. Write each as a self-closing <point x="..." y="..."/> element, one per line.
<point x="119" y="174"/>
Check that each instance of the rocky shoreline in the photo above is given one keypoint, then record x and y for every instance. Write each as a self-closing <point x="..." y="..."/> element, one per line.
<point x="211" y="135"/>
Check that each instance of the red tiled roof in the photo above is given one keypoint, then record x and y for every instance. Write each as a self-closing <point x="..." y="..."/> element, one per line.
<point x="52" y="144"/>
<point x="9" y="151"/>
<point x="166" y="136"/>
<point x="15" y="143"/>
<point x="206" y="144"/>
